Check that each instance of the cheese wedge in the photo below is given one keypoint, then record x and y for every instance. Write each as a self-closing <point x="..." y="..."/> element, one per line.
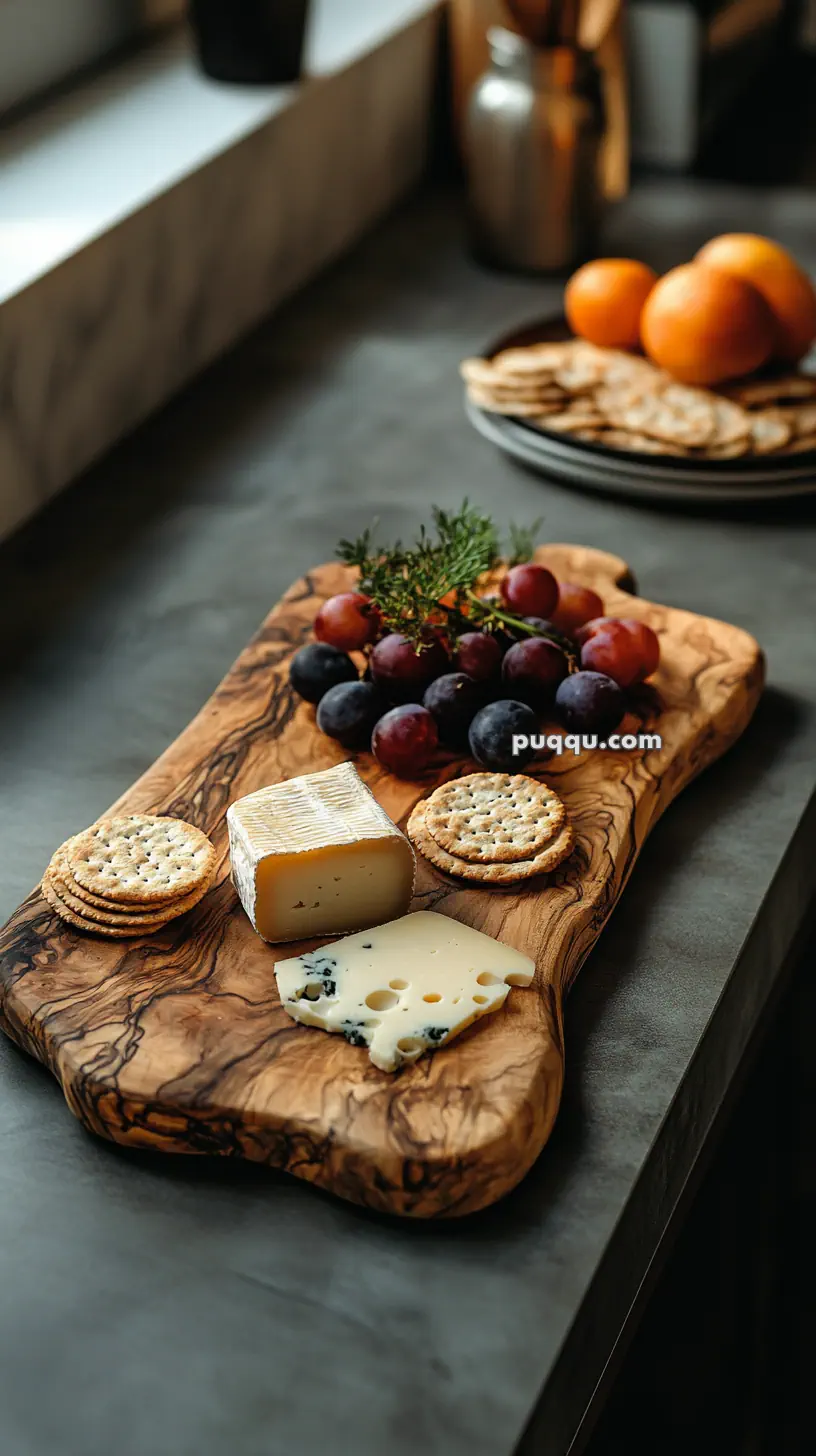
<point x="317" y="855"/>
<point x="402" y="989"/>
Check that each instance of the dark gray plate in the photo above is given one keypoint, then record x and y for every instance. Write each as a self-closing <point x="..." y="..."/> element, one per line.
<point x="624" y="472"/>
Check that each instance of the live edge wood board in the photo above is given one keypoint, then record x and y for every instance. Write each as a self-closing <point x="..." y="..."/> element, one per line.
<point x="177" y="1042"/>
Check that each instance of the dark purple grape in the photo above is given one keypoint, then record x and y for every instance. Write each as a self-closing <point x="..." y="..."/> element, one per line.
<point x="403" y="673"/>
<point x="590" y="702"/>
<point x="318" y="667"/>
<point x="479" y="655"/>
<point x="349" y="711"/>
<point x="532" y="670"/>
<point x="453" y="699"/>
<point x="493" y="730"/>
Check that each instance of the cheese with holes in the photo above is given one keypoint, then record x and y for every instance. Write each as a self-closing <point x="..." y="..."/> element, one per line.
<point x="402" y="989"/>
<point x="317" y="855"/>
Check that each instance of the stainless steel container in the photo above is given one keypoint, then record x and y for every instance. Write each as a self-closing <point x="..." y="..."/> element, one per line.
<point x="533" y="132"/>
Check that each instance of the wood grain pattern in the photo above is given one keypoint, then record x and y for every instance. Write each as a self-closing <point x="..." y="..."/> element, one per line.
<point x="177" y="1042"/>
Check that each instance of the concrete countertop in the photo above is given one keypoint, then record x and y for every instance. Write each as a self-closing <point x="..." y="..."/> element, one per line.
<point x="155" y="1306"/>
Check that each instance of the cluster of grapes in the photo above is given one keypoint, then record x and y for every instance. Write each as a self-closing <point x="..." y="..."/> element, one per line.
<point x="478" y="689"/>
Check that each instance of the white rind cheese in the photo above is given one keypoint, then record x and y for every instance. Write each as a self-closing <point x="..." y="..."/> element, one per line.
<point x="404" y="988"/>
<point x="318" y="855"/>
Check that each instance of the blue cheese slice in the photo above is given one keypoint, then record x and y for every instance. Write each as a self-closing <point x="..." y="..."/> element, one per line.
<point x="317" y="855"/>
<point x="404" y="988"/>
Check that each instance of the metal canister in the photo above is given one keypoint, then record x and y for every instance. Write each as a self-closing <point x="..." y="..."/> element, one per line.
<point x="533" y="133"/>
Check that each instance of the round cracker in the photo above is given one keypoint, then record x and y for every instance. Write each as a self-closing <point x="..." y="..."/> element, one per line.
<point x="800" y="445"/>
<point x="490" y="402"/>
<point x="784" y="387"/>
<point x="631" y="440"/>
<point x="141" y="857"/>
<point x="801" y="418"/>
<point x="769" y="432"/>
<point x="732" y="451"/>
<point x="479" y="372"/>
<point x="654" y="416"/>
<point x="534" y="359"/>
<point x="60" y="869"/>
<point x="491" y="874"/>
<point x="568" y="422"/>
<point x="129" y="914"/>
<point x="92" y="927"/>
<point x="493" y="818"/>
<point x="732" y="424"/>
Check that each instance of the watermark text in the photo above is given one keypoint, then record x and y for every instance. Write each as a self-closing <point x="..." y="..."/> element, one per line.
<point x="577" y="743"/>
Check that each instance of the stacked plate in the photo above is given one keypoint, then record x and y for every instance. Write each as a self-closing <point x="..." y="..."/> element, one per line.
<point x="622" y="472"/>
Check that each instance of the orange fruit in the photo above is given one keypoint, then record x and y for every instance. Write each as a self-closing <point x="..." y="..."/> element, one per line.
<point x="604" y="299"/>
<point x="788" y="291"/>
<point x="704" y="326"/>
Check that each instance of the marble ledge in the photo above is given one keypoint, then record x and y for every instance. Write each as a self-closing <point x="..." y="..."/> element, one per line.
<point x="90" y="347"/>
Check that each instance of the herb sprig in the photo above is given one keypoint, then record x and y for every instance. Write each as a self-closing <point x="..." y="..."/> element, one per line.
<point x="436" y="580"/>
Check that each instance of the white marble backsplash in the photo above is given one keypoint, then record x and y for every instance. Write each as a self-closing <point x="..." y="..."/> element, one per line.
<point x="88" y="348"/>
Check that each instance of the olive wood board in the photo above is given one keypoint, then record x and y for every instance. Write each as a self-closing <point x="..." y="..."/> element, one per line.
<point x="177" y="1042"/>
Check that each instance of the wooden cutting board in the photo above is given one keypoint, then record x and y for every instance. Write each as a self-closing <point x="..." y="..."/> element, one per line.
<point x="177" y="1042"/>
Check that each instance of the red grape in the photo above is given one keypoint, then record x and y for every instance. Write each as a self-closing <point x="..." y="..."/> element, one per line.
<point x="613" y="650"/>
<point x="576" y="605"/>
<point x="645" y="646"/>
<point x="404" y="739"/>
<point x="348" y="621"/>
<point x="403" y="673"/>
<point x="530" y="590"/>
<point x="588" y="629"/>
<point x="532" y="670"/>
<point x="648" y="644"/>
<point x="479" y="655"/>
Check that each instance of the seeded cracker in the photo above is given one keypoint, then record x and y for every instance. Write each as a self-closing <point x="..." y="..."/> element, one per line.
<point x="59" y="869"/>
<point x="494" y="818"/>
<point x="143" y="858"/>
<point x="490" y="874"/>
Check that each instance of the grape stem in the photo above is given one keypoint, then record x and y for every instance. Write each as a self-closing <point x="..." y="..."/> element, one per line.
<point x="519" y="626"/>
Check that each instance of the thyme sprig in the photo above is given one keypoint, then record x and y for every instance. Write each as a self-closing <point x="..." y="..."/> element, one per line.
<point x="435" y="581"/>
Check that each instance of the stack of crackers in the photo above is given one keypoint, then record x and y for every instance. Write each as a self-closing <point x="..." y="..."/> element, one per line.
<point x="129" y="876"/>
<point x="492" y="828"/>
<point x="622" y="401"/>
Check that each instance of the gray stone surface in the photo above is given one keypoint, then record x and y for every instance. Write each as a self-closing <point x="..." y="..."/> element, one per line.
<point x="162" y="1307"/>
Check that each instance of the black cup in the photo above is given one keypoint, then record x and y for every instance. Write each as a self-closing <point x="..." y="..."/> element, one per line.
<point x="254" y="42"/>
